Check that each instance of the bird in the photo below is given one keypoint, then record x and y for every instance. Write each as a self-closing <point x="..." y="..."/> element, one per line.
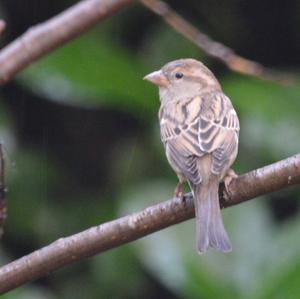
<point x="199" y="129"/>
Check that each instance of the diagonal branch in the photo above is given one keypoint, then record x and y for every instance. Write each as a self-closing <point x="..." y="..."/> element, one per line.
<point x="43" y="38"/>
<point x="212" y="48"/>
<point x="2" y="26"/>
<point x="54" y="33"/>
<point x="2" y="193"/>
<point x="103" y="237"/>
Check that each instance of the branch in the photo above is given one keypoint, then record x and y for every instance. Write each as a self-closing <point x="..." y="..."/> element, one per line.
<point x="2" y="192"/>
<point x="43" y="38"/>
<point x="54" y="33"/>
<point x="100" y="238"/>
<point x="212" y="48"/>
<point x="2" y="26"/>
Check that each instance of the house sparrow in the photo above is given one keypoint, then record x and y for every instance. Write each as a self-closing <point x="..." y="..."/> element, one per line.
<point x="199" y="129"/>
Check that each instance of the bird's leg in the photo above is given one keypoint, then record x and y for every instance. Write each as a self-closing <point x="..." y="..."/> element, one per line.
<point x="230" y="175"/>
<point x="178" y="189"/>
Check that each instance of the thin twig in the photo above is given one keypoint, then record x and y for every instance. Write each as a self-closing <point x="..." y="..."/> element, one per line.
<point x="100" y="238"/>
<point x="212" y="48"/>
<point x="2" y="26"/>
<point x="54" y="33"/>
<point x="43" y="38"/>
<point x="2" y="194"/>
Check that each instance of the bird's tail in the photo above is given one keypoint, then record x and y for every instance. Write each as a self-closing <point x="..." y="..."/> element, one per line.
<point x="210" y="231"/>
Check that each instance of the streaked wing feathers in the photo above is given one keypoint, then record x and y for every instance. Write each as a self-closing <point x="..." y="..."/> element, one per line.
<point x="185" y="165"/>
<point x="216" y="120"/>
<point x="192" y="127"/>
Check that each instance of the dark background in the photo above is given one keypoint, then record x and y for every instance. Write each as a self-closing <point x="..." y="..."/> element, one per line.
<point x="82" y="147"/>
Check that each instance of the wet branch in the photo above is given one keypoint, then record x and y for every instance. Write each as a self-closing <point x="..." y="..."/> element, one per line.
<point x="103" y="237"/>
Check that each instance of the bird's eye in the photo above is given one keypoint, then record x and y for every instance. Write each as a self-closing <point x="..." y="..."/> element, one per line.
<point x="178" y="75"/>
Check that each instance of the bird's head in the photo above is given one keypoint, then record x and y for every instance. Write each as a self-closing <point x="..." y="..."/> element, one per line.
<point x="183" y="78"/>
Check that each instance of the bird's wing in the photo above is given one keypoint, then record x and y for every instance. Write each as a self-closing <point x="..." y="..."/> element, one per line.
<point x="179" y="123"/>
<point x="194" y="127"/>
<point x="218" y="131"/>
<point x="179" y="129"/>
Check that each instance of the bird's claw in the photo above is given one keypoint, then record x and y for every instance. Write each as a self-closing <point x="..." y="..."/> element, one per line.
<point x="178" y="191"/>
<point x="230" y="175"/>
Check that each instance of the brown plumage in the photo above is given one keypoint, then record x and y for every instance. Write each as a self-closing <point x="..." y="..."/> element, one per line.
<point x="199" y="129"/>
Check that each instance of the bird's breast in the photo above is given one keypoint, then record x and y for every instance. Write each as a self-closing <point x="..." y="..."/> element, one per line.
<point x="181" y="112"/>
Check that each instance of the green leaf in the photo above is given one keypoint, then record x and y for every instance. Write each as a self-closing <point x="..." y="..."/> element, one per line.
<point x="271" y="100"/>
<point x="269" y="115"/>
<point x="92" y="71"/>
<point x="163" y="44"/>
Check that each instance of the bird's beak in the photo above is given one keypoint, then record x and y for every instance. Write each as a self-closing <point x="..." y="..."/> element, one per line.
<point x="157" y="78"/>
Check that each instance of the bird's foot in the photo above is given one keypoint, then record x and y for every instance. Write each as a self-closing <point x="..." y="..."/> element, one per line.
<point x="230" y="175"/>
<point x="178" y="191"/>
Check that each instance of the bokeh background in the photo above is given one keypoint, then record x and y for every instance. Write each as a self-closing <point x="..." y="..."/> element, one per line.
<point x="82" y="147"/>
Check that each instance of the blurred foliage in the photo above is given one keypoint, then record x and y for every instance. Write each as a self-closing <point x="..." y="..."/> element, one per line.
<point x="82" y="147"/>
<point x="266" y="256"/>
<point x="91" y="71"/>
